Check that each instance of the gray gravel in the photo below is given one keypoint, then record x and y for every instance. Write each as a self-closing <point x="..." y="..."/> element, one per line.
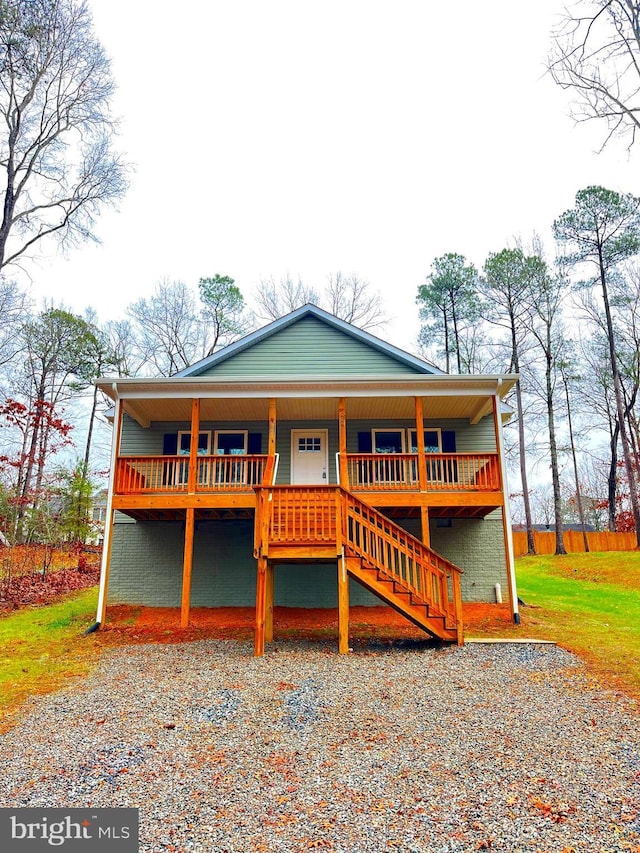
<point x="500" y="748"/>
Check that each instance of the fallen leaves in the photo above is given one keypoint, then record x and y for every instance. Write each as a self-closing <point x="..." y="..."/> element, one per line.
<point x="558" y="812"/>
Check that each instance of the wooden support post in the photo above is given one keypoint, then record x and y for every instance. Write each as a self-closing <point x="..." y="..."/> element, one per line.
<point x="187" y="565"/>
<point x="341" y="521"/>
<point x="506" y="512"/>
<point x="342" y="443"/>
<point x="101" y="614"/>
<point x="261" y="600"/>
<point x="271" y="447"/>
<point x="343" y="606"/>
<point x="422" y="471"/>
<point x="193" y="447"/>
<point x="457" y="604"/>
<point x="268" y="618"/>
<point x="424" y="526"/>
<point x="422" y="460"/>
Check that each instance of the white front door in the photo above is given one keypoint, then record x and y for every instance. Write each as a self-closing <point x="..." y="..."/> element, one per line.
<point x="309" y="457"/>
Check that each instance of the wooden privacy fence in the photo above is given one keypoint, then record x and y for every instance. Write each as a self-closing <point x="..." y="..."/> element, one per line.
<point x="545" y="541"/>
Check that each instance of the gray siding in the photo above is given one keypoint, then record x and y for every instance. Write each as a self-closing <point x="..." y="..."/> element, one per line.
<point x="308" y="347"/>
<point x="147" y="565"/>
<point x="136" y="440"/>
<point x="147" y="569"/>
<point x="476" y="545"/>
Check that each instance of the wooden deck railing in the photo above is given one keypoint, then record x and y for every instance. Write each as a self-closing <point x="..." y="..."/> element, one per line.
<point x="380" y="472"/>
<point x="307" y="515"/>
<point x="136" y="475"/>
<point x="445" y="472"/>
<point x="296" y="515"/>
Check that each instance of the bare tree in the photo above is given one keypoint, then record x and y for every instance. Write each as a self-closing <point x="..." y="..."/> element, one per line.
<point x="351" y="298"/>
<point x="122" y="339"/>
<point x="507" y="284"/>
<point x="13" y="306"/>
<point x="57" y="129"/>
<point x="348" y="297"/>
<point x="602" y="232"/>
<point x="167" y="328"/>
<point x="596" y="54"/>
<point x="273" y="299"/>
<point x="545" y="324"/>
<point x="597" y="397"/>
<point x="566" y="376"/>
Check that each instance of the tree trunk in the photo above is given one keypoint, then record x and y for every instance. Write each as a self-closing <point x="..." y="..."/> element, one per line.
<point x="553" y="450"/>
<point x="531" y="545"/>
<point x="612" y="479"/>
<point x="572" y="443"/>
<point x="617" y="390"/>
<point x="455" y="334"/>
<point x="87" y="448"/>
<point x="446" y="341"/>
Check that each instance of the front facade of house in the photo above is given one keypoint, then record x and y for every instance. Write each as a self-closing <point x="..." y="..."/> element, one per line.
<point x="309" y="465"/>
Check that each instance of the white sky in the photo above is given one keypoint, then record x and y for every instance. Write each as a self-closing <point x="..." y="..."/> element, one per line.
<point x="362" y="136"/>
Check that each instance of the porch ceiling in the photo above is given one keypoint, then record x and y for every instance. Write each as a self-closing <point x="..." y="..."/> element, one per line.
<point x="146" y="411"/>
<point x="383" y="397"/>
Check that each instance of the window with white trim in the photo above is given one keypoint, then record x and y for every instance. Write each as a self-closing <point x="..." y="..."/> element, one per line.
<point x="184" y="443"/>
<point x="387" y="440"/>
<point x="432" y="440"/>
<point x="230" y="442"/>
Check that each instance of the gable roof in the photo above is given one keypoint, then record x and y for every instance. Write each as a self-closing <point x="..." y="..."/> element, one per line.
<point x="403" y="359"/>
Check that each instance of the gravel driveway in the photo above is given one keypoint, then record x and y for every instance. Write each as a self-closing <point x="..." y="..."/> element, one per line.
<point x="500" y="748"/>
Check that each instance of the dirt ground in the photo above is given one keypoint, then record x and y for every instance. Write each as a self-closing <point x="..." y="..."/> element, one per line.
<point x="162" y="624"/>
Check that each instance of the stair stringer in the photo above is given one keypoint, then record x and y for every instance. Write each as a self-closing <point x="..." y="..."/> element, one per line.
<point x="404" y="603"/>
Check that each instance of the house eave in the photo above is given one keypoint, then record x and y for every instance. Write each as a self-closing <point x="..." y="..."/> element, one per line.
<point x="315" y="386"/>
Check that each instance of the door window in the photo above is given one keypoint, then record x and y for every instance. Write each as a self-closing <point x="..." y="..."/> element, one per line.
<point x="309" y="444"/>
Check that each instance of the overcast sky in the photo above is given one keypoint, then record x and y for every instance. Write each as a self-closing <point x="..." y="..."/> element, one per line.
<point x="289" y="137"/>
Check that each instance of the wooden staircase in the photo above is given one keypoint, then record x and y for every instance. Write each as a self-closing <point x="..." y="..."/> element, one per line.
<point x="326" y="522"/>
<point x="401" y="570"/>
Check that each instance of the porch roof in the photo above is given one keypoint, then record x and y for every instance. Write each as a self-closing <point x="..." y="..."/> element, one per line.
<point x="312" y="398"/>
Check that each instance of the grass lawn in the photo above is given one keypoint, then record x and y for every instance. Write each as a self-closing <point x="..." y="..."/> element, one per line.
<point x="41" y="647"/>
<point x="588" y="603"/>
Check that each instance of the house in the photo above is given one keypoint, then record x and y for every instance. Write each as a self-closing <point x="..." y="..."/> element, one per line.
<point x="98" y="516"/>
<point x="309" y="464"/>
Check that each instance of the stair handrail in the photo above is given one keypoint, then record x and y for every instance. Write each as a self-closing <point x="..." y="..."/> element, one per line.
<point x="441" y="570"/>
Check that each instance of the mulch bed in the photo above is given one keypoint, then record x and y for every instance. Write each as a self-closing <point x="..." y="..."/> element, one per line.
<point x="162" y="624"/>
